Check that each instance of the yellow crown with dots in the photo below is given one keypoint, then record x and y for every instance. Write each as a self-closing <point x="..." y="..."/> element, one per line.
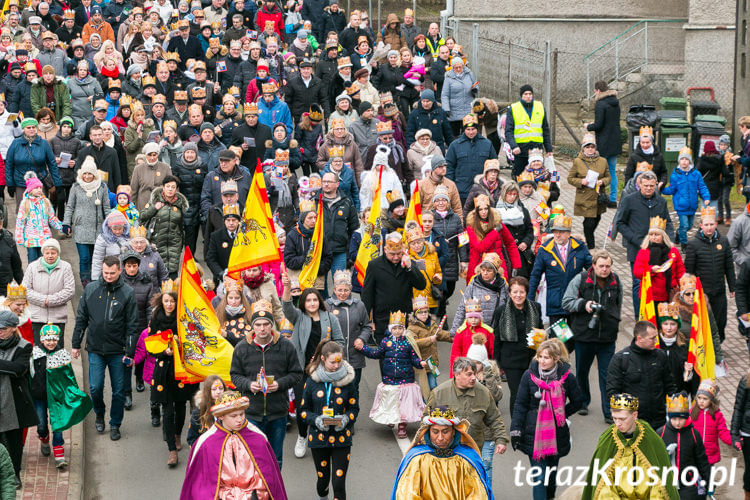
<point x="338" y="123"/>
<point x="137" y="232"/>
<point x="269" y="88"/>
<point x="657" y="223"/>
<point x="170" y="124"/>
<point x="316" y="115"/>
<point x="336" y="152"/>
<point x="15" y="291"/>
<point x="281" y="156"/>
<point x="526" y="176"/>
<point x="148" y="80"/>
<point x="677" y="405"/>
<point x="419" y="302"/>
<point x="262" y="305"/>
<point x="397" y="318"/>
<point x="442" y="412"/>
<point x="169" y="286"/>
<point x="159" y="99"/>
<point x="535" y="337"/>
<point x="623" y="401"/>
<point x="708" y="213"/>
<point x="646" y="130"/>
<point x="125" y="100"/>
<point x="392" y="196"/>
<point x="250" y="108"/>
<point x="688" y="282"/>
<point x="232" y="284"/>
<point x="231" y="210"/>
<point x="234" y="91"/>
<point x="228" y="402"/>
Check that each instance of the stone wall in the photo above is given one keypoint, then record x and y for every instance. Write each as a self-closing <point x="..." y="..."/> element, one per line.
<point x="575" y="9"/>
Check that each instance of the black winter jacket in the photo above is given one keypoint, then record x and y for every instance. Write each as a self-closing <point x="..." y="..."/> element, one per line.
<point x="437" y="75"/>
<point x="191" y="185"/>
<point x="580" y="290"/>
<point x="434" y="120"/>
<point x="244" y="75"/>
<point x="711" y="260"/>
<point x="308" y="142"/>
<point x="144" y="288"/>
<point x="300" y="97"/>
<point x="741" y="414"/>
<point x="326" y="69"/>
<point x="218" y="249"/>
<point x="295" y="157"/>
<point x="677" y="357"/>
<point x="295" y="251"/>
<point x="339" y="223"/>
<point x="18" y="369"/>
<point x="388" y="78"/>
<point x="656" y="159"/>
<point x="690" y="454"/>
<point x="8" y="86"/>
<point x="11" y="267"/>
<point x="279" y="359"/>
<point x="21" y="99"/>
<point x="261" y="133"/>
<point x="606" y="124"/>
<point x="333" y="21"/>
<point x="450" y="226"/>
<point x="634" y="214"/>
<point x="645" y="374"/>
<point x="108" y="316"/>
<point x="71" y="145"/>
<point x="527" y="406"/>
<point x="226" y="78"/>
<point x="711" y="168"/>
<point x="342" y="400"/>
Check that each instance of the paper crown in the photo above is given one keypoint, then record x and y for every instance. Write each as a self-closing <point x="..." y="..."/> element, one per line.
<point x="69" y="14"/>
<point x="342" y="277"/>
<point x="413" y="234"/>
<point x="336" y="151"/>
<point x="392" y="196"/>
<point x="15" y="291"/>
<point x="231" y="211"/>
<point x="623" y="401"/>
<point x="180" y="95"/>
<point x="234" y="91"/>
<point x="269" y="88"/>
<point x="316" y="114"/>
<point x="419" y="302"/>
<point x="472" y="305"/>
<point x="384" y="128"/>
<point x="338" y="123"/>
<point x="353" y="89"/>
<point x="198" y="93"/>
<point x="159" y="99"/>
<point x="114" y="84"/>
<point x="526" y="177"/>
<point x="169" y="286"/>
<point x="562" y="223"/>
<point x="535" y="337"/>
<point x="49" y="332"/>
<point x="228" y="402"/>
<point x="643" y="166"/>
<point x="493" y="259"/>
<point x="281" y="157"/>
<point x="229" y="186"/>
<point x="657" y="223"/>
<point x="306" y="205"/>
<point x="385" y="98"/>
<point x="30" y="66"/>
<point x="148" y="80"/>
<point x="286" y="326"/>
<point x="250" y="108"/>
<point x="677" y="405"/>
<point x="394" y="242"/>
<point x="470" y="120"/>
<point x="137" y="232"/>
<point x="343" y="62"/>
<point x="125" y="100"/>
<point x="668" y="310"/>
<point x="199" y="65"/>
<point x="409" y="12"/>
<point x="708" y="213"/>
<point x="232" y="284"/>
<point x="397" y="318"/>
<point x="172" y="56"/>
<point x="646" y="130"/>
<point x="442" y="412"/>
<point x="688" y="283"/>
<point x="170" y="124"/>
<point x="262" y="309"/>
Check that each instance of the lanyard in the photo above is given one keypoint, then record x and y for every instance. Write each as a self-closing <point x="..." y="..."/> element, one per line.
<point x="329" y="386"/>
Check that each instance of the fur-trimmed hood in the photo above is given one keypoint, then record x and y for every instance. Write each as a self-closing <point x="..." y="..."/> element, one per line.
<point x="606" y="93"/>
<point x="148" y="122"/>
<point x="57" y="80"/>
<point x="347" y="379"/>
<point x="285" y="144"/>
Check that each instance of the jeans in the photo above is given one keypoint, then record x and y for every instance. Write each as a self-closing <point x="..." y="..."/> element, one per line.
<point x="585" y="354"/>
<point x="42" y="429"/>
<point x="85" y="252"/>
<point x="686" y="224"/>
<point x="275" y="430"/>
<point x="97" y="365"/>
<point x="612" y="162"/>
<point x="432" y="380"/>
<point x="33" y="253"/>
<point x="724" y="205"/>
<point x="488" y="453"/>
<point x="636" y="291"/>
<point x="339" y="263"/>
<point x="541" y="491"/>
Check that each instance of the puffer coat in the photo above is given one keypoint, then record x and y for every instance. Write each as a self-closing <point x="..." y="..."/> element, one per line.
<point x="144" y="289"/>
<point x="456" y="96"/>
<point x="450" y="226"/>
<point x="288" y="144"/>
<point x="71" y="145"/>
<point x="152" y="263"/>
<point x="169" y="231"/>
<point x="108" y="244"/>
<point x="80" y="92"/>
<point x="209" y="153"/>
<point x="191" y="185"/>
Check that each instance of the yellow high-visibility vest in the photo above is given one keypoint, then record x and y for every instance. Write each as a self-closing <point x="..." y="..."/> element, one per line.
<point x="527" y="129"/>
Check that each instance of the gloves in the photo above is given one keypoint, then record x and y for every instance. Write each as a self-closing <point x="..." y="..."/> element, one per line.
<point x="515" y="439"/>
<point x="737" y="442"/>
<point x="344" y="423"/>
<point x="319" y="423"/>
<point x="66" y="229"/>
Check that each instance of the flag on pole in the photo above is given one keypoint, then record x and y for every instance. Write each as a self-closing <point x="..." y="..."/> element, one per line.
<point x="202" y="349"/>
<point x="310" y="268"/>
<point x="701" y="349"/>
<point x="256" y="241"/>
<point x="647" y="310"/>
<point x="369" y="247"/>
<point x="415" y="207"/>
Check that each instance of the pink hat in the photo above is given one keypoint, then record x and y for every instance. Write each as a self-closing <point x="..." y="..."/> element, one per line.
<point x="33" y="182"/>
<point x="116" y="219"/>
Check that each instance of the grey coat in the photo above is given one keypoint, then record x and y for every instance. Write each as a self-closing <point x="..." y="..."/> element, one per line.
<point x="80" y="91"/>
<point x="153" y="264"/>
<point x="84" y="216"/>
<point x="739" y="238"/>
<point x="55" y="58"/>
<point x="355" y="322"/>
<point x="489" y="299"/>
<point x="108" y="244"/>
<point x="303" y="324"/>
<point x="456" y="96"/>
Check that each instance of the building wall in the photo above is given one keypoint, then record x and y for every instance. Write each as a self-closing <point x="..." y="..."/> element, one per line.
<point x="742" y="69"/>
<point x="575" y="9"/>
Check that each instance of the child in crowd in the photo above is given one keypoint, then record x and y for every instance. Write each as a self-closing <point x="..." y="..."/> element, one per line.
<point x="125" y="206"/>
<point x="55" y="392"/>
<point x="464" y="341"/>
<point x="426" y="334"/>
<point x="35" y="216"/>
<point x="148" y="360"/>
<point x="686" y="184"/>
<point x="398" y="399"/>
<point x="309" y="134"/>
<point x="201" y="418"/>
<point x="709" y="421"/>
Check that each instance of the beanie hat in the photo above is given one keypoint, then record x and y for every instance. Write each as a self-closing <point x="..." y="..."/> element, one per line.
<point x="526" y="88"/>
<point x="724" y="139"/>
<point x="32" y="181"/>
<point x="150" y="147"/>
<point x="51" y="243"/>
<point x="364" y="106"/>
<point x="191" y="146"/>
<point x="29" y="121"/>
<point x="88" y="166"/>
<point x="709" y="148"/>
<point x="207" y="126"/>
<point x="478" y="352"/>
<point x="116" y="218"/>
<point x="68" y="120"/>
<point x="423" y="131"/>
<point x="686" y="153"/>
<point x="427" y="94"/>
<point x="709" y="389"/>
<point x="8" y="319"/>
<point x="441" y="192"/>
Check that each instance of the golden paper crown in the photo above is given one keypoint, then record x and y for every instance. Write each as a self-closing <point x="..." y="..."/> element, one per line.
<point x="250" y="108"/>
<point x="172" y="56"/>
<point x="352" y="89"/>
<point x="668" y="310"/>
<point x="409" y="12"/>
<point x="162" y="65"/>
<point x="169" y="286"/>
<point x="213" y="42"/>
<point x="148" y="80"/>
<point x="677" y="405"/>
<point x="316" y="115"/>
<point x="494" y="259"/>
<point x="199" y="65"/>
<point x="125" y="100"/>
<point x="231" y="210"/>
<point x="414" y="234"/>
<point x="159" y="99"/>
<point x="198" y="93"/>
<point x="170" y="124"/>
<point x="232" y="284"/>
<point x="442" y="412"/>
<point x="306" y="205"/>
<point x="708" y="213"/>
<point x="419" y="302"/>
<point x="643" y="166"/>
<point x="394" y="242"/>
<point x="384" y="127"/>
<point x="657" y="223"/>
<point x="623" y="401"/>
<point x="392" y="196"/>
<point x="2" y="96"/>
<point x="688" y="282"/>
<point x="646" y="130"/>
<point x="338" y="123"/>
<point x="535" y="337"/>
<point x="69" y="14"/>
<point x="281" y="156"/>
<point x="269" y="88"/>
<point x="137" y="232"/>
<point x="228" y="402"/>
<point x="562" y="223"/>
<point x="114" y="84"/>
<point x="344" y="61"/>
<point x="526" y="176"/>
<point x="336" y="151"/>
<point x="234" y="91"/>
<point x="470" y="120"/>
<point x="397" y="318"/>
<point x="180" y="95"/>
<point x="472" y="305"/>
<point x="342" y="277"/>
<point x="264" y="306"/>
<point x="386" y="98"/>
<point x="286" y="326"/>
<point x="15" y="291"/>
<point x="137" y="107"/>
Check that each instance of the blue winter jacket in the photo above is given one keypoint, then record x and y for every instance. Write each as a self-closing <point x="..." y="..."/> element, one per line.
<point x="465" y="159"/>
<point x="347" y="185"/>
<point x="399" y="359"/>
<point x="276" y="112"/>
<point x="685" y="188"/>
<point x="19" y="160"/>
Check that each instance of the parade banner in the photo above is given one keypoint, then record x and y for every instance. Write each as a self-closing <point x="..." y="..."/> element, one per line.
<point x="310" y="268"/>
<point x="369" y="247"/>
<point x="701" y="349"/>
<point x="414" y="213"/>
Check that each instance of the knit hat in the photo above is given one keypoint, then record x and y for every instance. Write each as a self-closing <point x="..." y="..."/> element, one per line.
<point x="423" y="131"/>
<point x="686" y="152"/>
<point x="133" y="69"/>
<point x="51" y="243"/>
<point x="88" y="166"/>
<point x="262" y="309"/>
<point x="526" y="88"/>
<point x="427" y="94"/>
<point x="15" y="64"/>
<point x="392" y="53"/>
<point x="207" y="126"/>
<point x="709" y="148"/>
<point x="725" y="139"/>
<point x="151" y="147"/>
<point x="8" y="319"/>
<point x="116" y="218"/>
<point x="382" y="152"/>
<point x="302" y="34"/>
<point x="709" y="389"/>
<point x="477" y="351"/>
<point x="32" y="181"/>
<point x="49" y="332"/>
<point x="68" y="120"/>
<point x="190" y="146"/>
<point x="29" y="121"/>
<point x="536" y="155"/>
<point x="441" y="192"/>
<point x="364" y="106"/>
<point x="588" y="139"/>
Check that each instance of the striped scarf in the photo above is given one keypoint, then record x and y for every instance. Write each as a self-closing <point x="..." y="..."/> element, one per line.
<point x="550" y="415"/>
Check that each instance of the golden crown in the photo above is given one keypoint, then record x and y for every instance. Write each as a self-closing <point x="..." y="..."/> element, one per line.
<point x="708" y="213"/>
<point x="414" y="234"/>
<point x="281" y="156"/>
<point x="562" y="223"/>
<point x="148" y="80"/>
<point x="228" y="402"/>
<point x="269" y="88"/>
<point x="342" y="277"/>
<point x="352" y="89"/>
<point x="232" y="284"/>
<point x="344" y="61"/>
<point x="262" y="305"/>
<point x="172" y="56"/>
<point x="686" y="151"/>
<point x="678" y="404"/>
<point x="442" y="412"/>
<point x="668" y="310"/>
<point x="159" y="99"/>
<point x="526" y="176"/>
<point x="125" y="100"/>
<point x="470" y="119"/>
<point x="535" y="337"/>
<point x="198" y="93"/>
<point x="29" y="66"/>
<point x="137" y="232"/>
<point x="180" y="95"/>
<point x="688" y="282"/>
<point x="316" y="115"/>
<point x="646" y="130"/>
<point x="250" y="108"/>
<point x="137" y="107"/>
<point x="306" y="205"/>
<point x="231" y="210"/>
<point x="114" y="84"/>
<point x="493" y="259"/>
<point x="286" y="326"/>
<point x="15" y="291"/>
<point x="623" y="401"/>
<point x="234" y="91"/>
<point x="385" y="98"/>
<point x="384" y="127"/>
<point x="336" y="152"/>
<point x="169" y="286"/>
<point x="69" y="14"/>
<point x="199" y="65"/>
<point x="657" y="223"/>
<point x="394" y="242"/>
<point x="472" y="305"/>
<point x="392" y="196"/>
<point x="338" y="123"/>
<point x="419" y="302"/>
<point x="170" y="124"/>
<point x="162" y="65"/>
<point x="397" y="318"/>
<point x="643" y="166"/>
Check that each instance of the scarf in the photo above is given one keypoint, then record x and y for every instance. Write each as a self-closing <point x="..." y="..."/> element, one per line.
<point x="285" y="194"/>
<point x="669" y="341"/>
<point x="328" y="377"/>
<point x="49" y="267"/>
<point x="442" y="214"/>
<point x="494" y="286"/>
<point x="45" y="127"/>
<point x="8" y="417"/>
<point x="233" y="310"/>
<point x="507" y="331"/>
<point x="490" y="185"/>
<point x="510" y="213"/>
<point x="591" y="156"/>
<point x="307" y="233"/>
<point x="550" y="415"/>
<point x="648" y="151"/>
<point x="90" y="187"/>
<point x="192" y="165"/>
<point x="254" y="282"/>
<point x="110" y="73"/>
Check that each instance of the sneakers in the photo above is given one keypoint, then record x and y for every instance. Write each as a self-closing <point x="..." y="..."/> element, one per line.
<point x="99" y="424"/>
<point x="139" y="387"/>
<point x="114" y="433"/>
<point x="173" y="459"/>
<point x="60" y="461"/>
<point x="300" y="447"/>
<point x="583" y="411"/>
<point x="128" y="401"/>
<point x="608" y="420"/>
<point x="19" y="484"/>
<point x="401" y="432"/>
<point x="44" y="447"/>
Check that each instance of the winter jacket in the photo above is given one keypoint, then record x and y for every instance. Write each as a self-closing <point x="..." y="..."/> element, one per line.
<point x="168" y="232"/>
<point x="106" y="160"/>
<point x="449" y="227"/>
<point x="490" y="296"/>
<point x="342" y="400"/>
<point x="429" y="264"/>
<point x="84" y="215"/>
<point x="392" y="36"/>
<point x="456" y="94"/>
<point x="711" y="260"/>
<point x="557" y="274"/>
<point x="635" y="212"/>
<point x="399" y="359"/>
<point x="645" y="374"/>
<point x="134" y="143"/>
<point x="288" y="144"/>
<point x="57" y="287"/>
<point x="711" y="168"/>
<point x="659" y="287"/>
<point x="308" y="141"/>
<point x="17" y="368"/>
<point x="144" y="289"/>
<point x="508" y="353"/>
<point x="465" y="159"/>
<point x="352" y="155"/>
<point x="108" y="244"/>
<point x="35" y="218"/>
<point x="686" y="186"/>
<point x="606" y="124"/>
<point x="389" y="181"/>
<point x="365" y="133"/>
<point x="211" y="191"/>
<point x="340" y="222"/>
<point x="656" y="159"/>
<point x="278" y="359"/>
<point x="301" y="97"/>
<point x="152" y="263"/>
<point x="273" y="14"/>
<point x="741" y="415"/>
<point x="218" y="248"/>
<point x="145" y="179"/>
<point x="23" y="157"/>
<point x="8" y="86"/>
<point x="585" y="287"/>
<point x="433" y="120"/>
<point x="191" y="185"/>
<point x="499" y="241"/>
<point x="347" y="185"/>
<point x="677" y="356"/>
<point x="296" y="248"/>
<point x="22" y="99"/>
<point x="261" y="134"/>
<point x="11" y="268"/>
<point x="417" y="157"/>
<point x="739" y="237"/>
<point x="108" y="316"/>
<point x="8" y="132"/>
<point x="437" y="75"/>
<point x="80" y="92"/>
<point x="71" y="145"/>
<point x="389" y="79"/>
<point x="61" y="96"/>
<point x="462" y="341"/>
<point x="526" y="408"/>
<point x="690" y="455"/>
<point x="586" y="202"/>
<point x="275" y="112"/>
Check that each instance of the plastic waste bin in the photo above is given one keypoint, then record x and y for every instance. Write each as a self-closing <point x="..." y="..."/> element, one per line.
<point x="640" y="115"/>
<point x="675" y="135"/>
<point x="704" y="108"/>
<point x="712" y="118"/>
<point x="705" y="131"/>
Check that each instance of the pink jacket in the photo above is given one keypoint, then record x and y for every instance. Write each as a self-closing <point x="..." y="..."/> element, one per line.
<point x="142" y="356"/>
<point x="712" y="429"/>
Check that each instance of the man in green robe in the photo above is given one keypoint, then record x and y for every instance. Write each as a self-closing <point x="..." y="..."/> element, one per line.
<point x="630" y="460"/>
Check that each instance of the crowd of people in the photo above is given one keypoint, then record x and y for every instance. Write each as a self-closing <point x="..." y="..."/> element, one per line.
<point x="135" y="130"/>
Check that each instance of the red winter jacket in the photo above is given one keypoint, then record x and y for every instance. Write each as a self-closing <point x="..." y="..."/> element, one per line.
<point x="658" y="280"/>
<point x="501" y="243"/>
<point x="711" y="430"/>
<point x="462" y="341"/>
<point x="274" y="15"/>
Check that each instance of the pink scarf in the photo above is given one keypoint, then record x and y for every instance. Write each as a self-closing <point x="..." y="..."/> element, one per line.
<point x="549" y="416"/>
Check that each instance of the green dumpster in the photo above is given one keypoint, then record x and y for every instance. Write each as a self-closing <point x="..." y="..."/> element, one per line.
<point x="673" y="103"/>
<point x="711" y="119"/>
<point x="674" y="136"/>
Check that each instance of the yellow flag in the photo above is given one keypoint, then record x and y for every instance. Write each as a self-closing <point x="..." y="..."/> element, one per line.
<point x="415" y="207"/>
<point x="256" y="241"/>
<point x="310" y="268"/>
<point x="701" y="348"/>
<point x="202" y="348"/>
<point x="369" y="247"/>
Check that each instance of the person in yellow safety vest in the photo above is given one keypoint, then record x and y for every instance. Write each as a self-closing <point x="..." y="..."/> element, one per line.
<point x="526" y="127"/>
<point x="433" y="39"/>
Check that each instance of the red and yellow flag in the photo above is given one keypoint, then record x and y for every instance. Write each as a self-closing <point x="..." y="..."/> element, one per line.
<point x="310" y="268"/>
<point x="647" y="310"/>
<point x="256" y="241"/>
<point x="369" y="247"/>
<point x="156" y="343"/>
<point x="415" y="207"/>
<point x="701" y="349"/>
<point x="202" y="350"/>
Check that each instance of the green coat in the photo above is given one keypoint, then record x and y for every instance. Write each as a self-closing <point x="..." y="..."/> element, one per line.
<point x="63" y="106"/>
<point x="586" y="198"/>
<point x="7" y="476"/>
<point x="168" y="232"/>
<point x="133" y="143"/>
